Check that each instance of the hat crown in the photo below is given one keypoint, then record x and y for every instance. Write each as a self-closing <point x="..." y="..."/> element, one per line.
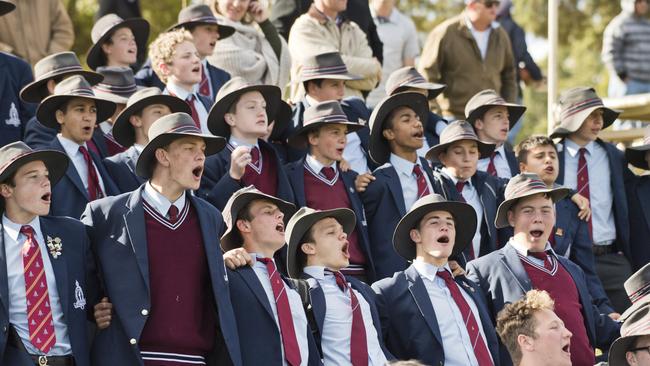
<point x="328" y="111"/>
<point x="143" y="94"/>
<point x="402" y="77"/>
<point x="228" y="215"/>
<point x="232" y="85"/>
<point x="196" y="12"/>
<point x="456" y="131"/>
<point x="523" y="184"/>
<point x="10" y="152"/>
<point x="117" y="80"/>
<point x="178" y="122"/>
<point x="103" y="25"/>
<point x="58" y="62"/>
<point x="324" y="63"/>
<point x="484" y="97"/>
<point x="577" y="99"/>
<point x="427" y="200"/>
<point x="75" y="85"/>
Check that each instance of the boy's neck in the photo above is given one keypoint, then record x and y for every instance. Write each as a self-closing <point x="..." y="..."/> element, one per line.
<point x="429" y="259"/>
<point x="578" y="140"/>
<point x="140" y="137"/>
<point x="247" y="138"/>
<point x="18" y="216"/>
<point x="188" y="87"/>
<point x="410" y="155"/>
<point x="321" y="159"/>
<point x="263" y="249"/>
<point x="164" y="185"/>
<point x="67" y="136"/>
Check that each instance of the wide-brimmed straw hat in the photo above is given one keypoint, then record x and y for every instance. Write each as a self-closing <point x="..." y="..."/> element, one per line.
<point x="17" y="154"/>
<point x="318" y="115"/>
<point x="457" y="131"/>
<point x="328" y="65"/>
<point x="575" y="105"/>
<point x="636" y="325"/>
<point x="482" y="101"/>
<point x="200" y="14"/>
<point x="118" y="84"/>
<point x="407" y="77"/>
<point x="635" y="155"/>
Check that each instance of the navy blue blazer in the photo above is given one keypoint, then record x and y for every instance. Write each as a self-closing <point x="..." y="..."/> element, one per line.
<point x="207" y="102"/>
<point x="638" y="197"/>
<point x="259" y="335"/>
<point x="384" y="205"/>
<point x="70" y="271"/>
<point x="619" y="175"/>
<point x="116" y="227"/>
<point x="490" y="191"/>
<point x="121" y="168"/>
<point x="14" y="113"/>
<point x="37" y="136"/>
<point x="512" y="161"/>
<point x="503" y="279"/>
<point x="69" y="197"/>
<point x="295" y="173"/>
<point x="408" y="319"/>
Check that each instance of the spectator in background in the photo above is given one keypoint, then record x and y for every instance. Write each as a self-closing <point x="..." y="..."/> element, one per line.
<point x="400" y="39"/>
<point x="450" y="57"/>
<point x="258" y="57"/>
<point x="123" y="8"/>
<point x="36" y="29"/>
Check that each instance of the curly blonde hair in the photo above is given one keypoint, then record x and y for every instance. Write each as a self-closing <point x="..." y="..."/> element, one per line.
<point x="519" y="318"/>
<point x="162" y="49"/>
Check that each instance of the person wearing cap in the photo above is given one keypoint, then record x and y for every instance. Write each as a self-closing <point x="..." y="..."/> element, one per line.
<point x="597" y="170"/>
<point x="323" y="29"/>
<point x="272" y="325"/>
<point x="638" y="193"/>
<point x="492" y="118"/>
<point x="206" y="30"/>
<point x="177" y="63"/>
<point x="242" y="114"/>
<point x="458" y="179"/>
<point x="45" y="261"/>
<point x="469" y="53"/>
<point x="533" y="334"/>
<point x="348" y="325"/>
<point x="396" y="133"/>
<point x="73" y="109"/>
<point x="130" y="129"/>
<point x="170" y="301"/>
<point x="409" y="79"/>
<point x="14" y="112"/>
<point x="318" y="181"/>
<point x="527" y="261"/>
<point x="117" y="42"/>
<point x="323" y="77"/>
<point x="426" y="312"/>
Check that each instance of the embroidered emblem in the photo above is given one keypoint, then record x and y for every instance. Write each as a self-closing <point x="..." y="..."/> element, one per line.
<point x="362" y="121"/>
<point x="559" y="232"/>
<point x="13" y="119"/>
<point x="55" y="245"/>
<point x="80" y="302"/>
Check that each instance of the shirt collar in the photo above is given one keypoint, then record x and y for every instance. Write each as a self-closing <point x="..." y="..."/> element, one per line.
<point x="237" y="142"/>
<point x="160" y="202"/>
<point x="138" y="148"/>
<point x="13" y="229"/>
<point x="501" y="150"/>
<point x="318" y="272"/>
<point x="180" y="92"/>
<point x="448" y="174"/>
<point x="524" y="252"/>
<point x="572" y="148"/>
<point x="316" y="165"/>
<point x="71" y="148"/>
<point x="429" y="271"/>
<point x="402" y="165"/>
<point x="310" y="101"/>
<point x="493" y="25"/>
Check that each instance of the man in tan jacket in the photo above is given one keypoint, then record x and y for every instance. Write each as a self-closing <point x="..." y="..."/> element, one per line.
<point x="469" y="53"/>
<point x="37" y="28"/>
<point x="317" y="32"/>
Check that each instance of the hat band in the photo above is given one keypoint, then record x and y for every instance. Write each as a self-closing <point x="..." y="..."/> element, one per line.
<point x="206" y="18"/>
<point x="495" y="100"/>
<point x="577" y="108"/>
<point x="184" y="129"/>
<point x="640" y="293"/>
<point x="415" y="79"/>
<point x="79" y="91"/>
<point x="60" y="70"/>
<point x="465" y="135"/>
<point x="116" y="88"/>
<point x="324" y="70"/>
<point x="530" y="186"/>
<point x="332" y="118"/>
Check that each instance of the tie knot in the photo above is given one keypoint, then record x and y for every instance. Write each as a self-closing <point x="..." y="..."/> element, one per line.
<point x="494" y="153"/>
<point x="459" y="186"/>
<point x="538" y="255"/>
<point x="27" y="230"/>
<point x="190" y="98"/>
<point x="417" y="170"/>
<point x="328" y="172"/>
<point x="445" y="275"/>
<point x="582" y="151"/>
<point x="267" y="261"/>
<point x="83" y="150"/>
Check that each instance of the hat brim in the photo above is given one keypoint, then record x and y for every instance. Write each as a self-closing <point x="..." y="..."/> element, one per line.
<point x="140" y="29"/>
<point x="123" y="130"/>
<point x="33" y="92"/>
<point x="117" y="99"/>
<point x="45" y="113"/>
<point x="344" y="216"/>
<point x="463" y="213"/>
<point x="6" y="7"/>
<point x="515" y="111"/>
<point x="216" y="122"/>
<point x="225" y="31"/>
<point x="282" y="120"/>
<point x="299" y="139"/>
<point x="618" y="349"/>
<point x="635" y="155"/>
<point x="572" y="124"/>
<point x="484" y="149"/>
<point x="345" y="77"/>
<point x="378" y="146"/>
<point x="213" y="144"/>
<point x="501" y="219"/>
<point x="644" y="301"/>
<point x="433" y="89"/>
<point x="56" y="163"/>
<point x="231" y="239"/>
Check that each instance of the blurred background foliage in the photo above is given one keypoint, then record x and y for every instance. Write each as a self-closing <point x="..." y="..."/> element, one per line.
<point x="581" y="27"/>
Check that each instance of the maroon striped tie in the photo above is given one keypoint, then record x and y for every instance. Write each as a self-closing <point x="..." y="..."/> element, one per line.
<point x="94" y="189"/>
<point x="358" y="341"/>
<point x="480" y="348"/>
<point x="204" y="86"/>
<point x="583" y="183"/>
<point x="491" y="168"/>
<point x="195" y="114"/>
<point x="423" y="188"/>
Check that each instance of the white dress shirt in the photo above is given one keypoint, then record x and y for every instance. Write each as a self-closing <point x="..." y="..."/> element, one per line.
<point x="470" y="194"/>
<point x="77" y="158"/>
<point x="300" y="325"/>
<point x="500" y="163"/>
<point x="159" y="202"/>
<point x="407" y="178"/>
<point x="337" y="327"/>
<point x="458" y="347"/>
<point x="482" y="37"/>
<point x="521" y="249"/>
<point x="600" y="187"/>
<point x="316" y="166"/>
<point x="14" y="241"/>
<point x="200" y="108"/>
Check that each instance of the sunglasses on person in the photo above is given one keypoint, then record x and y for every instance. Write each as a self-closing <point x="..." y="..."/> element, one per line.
<point x="490" y="3"/>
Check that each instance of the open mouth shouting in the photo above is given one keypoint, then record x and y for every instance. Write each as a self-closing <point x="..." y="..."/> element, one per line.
<point x="132" y="51"/>
<point x="443" y="239"/>
<point x="566" y="349"/>
<point x="345" y="251"/>
<point x="419" y="134"/>
<point x="197" y="172"/>
<point x="536" y="233"/>
<point x="47" y="198"/>
<point x="280" y="228"/>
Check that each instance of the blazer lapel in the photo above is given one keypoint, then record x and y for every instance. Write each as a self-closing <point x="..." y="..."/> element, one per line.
<point x="421" y="298"/>
<point x="643" y="192"/>
<point x="132" y="159"/>
<point x="297" y="179"/>
<point x="59" y="264"/>
<point x="135" y="228"/>
<point x="561" y="222"/>
<point x="318" y="304"/>
<point x="395" y="188"/>
<point x="208" y="231"/>
<point x="249" y="276"/>
<point x="561" y="147"/>
<point x="71" y="172"/>
<point x="513" y="266"/>
<point x="4" y="277"/>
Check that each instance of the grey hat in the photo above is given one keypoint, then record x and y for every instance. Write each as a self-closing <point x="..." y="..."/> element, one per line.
<point x="317" y="115"/>
<point x="60" y="64"/>
<point x="457" y="131"/>
<point x="328" y="65"/>
<point x="231" y="238"/>
<point x="103" y="29"/>
<point x="73" y="87"/>
<point x="636" y="325"/>
<point x="302" y="221"/>
<point x="283" y="117"/>
<point x="462" y="212"/>
<point x="118" y="84"/>
<point x="378" y="145"/>
<point x="230" y="92"/>
<point x="6" y="7"/>
<point x="482" y="101"/>
<point x="635" y="155"/>
<point x="524" y="185"/>
<point x="167" y="129"/>
<point x="17" y="154"/>
<point x="200" y="14"/>
<point x="123" y="130"/>
<point x="575" y="105"/>
<point x="407" y="77"/>
<point x="638" y="290"/>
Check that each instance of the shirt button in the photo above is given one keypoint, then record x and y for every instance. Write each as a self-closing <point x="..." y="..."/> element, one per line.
<point x="144" y="312"/>
<point x="133" y="341"/>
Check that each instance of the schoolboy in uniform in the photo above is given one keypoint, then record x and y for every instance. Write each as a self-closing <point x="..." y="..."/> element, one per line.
<point x="117" y="41"/>
<point x="638" y="193"/>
